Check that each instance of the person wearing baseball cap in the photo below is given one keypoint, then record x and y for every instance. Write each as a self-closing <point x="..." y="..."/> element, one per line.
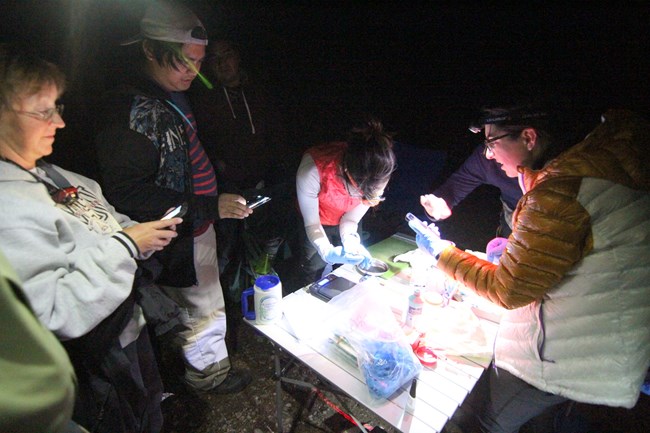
<point x="151" y="160"/>
<point x="170" y="22"/>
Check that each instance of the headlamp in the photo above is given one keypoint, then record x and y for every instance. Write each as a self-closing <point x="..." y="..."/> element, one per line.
<point x="513" y="117"/>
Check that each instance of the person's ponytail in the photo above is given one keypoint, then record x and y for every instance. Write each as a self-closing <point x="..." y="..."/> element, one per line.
<point x="369" y="159"/>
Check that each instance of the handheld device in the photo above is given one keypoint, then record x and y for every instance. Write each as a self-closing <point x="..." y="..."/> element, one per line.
<point x="329" y="286"/>
<point x="257" y="201"/>
<point x="178" y="211"/>
<point x="420" y="226"/>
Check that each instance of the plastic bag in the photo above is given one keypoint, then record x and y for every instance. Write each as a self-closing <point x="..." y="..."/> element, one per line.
<point x="367" y="322"/>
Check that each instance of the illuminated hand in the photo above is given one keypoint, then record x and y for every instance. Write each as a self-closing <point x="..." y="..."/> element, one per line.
<point x="435" y="206"/>
<point x="233" y="206"/>
<point x="352" y="245"/>
<point x="153" y="235"/>
<point x="338" y="255"/>
<point x="428" y="238"/>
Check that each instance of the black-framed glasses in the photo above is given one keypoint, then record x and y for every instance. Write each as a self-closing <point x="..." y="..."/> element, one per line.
<point x="490" y="143"/>
<point x="45" y="115"/>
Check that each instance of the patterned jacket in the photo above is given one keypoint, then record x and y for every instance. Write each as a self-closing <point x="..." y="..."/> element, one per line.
<point x="142" y="150"/>
<point x="575" y="275"/>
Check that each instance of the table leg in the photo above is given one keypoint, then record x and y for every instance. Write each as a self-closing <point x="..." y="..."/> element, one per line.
<point x="278" y="388"/>
<point x="280" y="377"/>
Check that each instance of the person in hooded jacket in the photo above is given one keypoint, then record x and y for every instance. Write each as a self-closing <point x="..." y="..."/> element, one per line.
<point x="244" y="137"/>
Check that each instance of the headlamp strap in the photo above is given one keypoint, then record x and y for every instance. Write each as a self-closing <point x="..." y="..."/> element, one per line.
<point x="513" y="117"/>
<point x="508" y="118"/>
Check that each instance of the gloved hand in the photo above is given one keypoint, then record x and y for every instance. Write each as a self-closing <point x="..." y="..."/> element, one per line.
<point x="495" y="249"/>
<point x="338" y="255"/>
<point x="428" y="238"/>
<point x="352" y="245"/>
<point x="436" y="207"/>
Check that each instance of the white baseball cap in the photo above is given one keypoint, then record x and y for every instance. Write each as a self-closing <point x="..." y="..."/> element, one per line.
<point x="170" y="21"/>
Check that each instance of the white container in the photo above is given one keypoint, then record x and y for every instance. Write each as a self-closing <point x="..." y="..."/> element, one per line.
<point x="267" y="300"/>
<point x="414" y="312"/>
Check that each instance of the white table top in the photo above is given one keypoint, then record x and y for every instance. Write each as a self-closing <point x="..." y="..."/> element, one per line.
<point x="440" y="389"/>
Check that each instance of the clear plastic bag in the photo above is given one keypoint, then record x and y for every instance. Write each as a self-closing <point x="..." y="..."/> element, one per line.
<point x="383" y="354"/>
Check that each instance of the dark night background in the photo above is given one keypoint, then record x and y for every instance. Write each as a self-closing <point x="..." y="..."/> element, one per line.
<point x="424" y="68"/>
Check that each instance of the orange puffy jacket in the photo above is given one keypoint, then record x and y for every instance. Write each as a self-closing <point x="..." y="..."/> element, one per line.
<point x="575" y="274"/>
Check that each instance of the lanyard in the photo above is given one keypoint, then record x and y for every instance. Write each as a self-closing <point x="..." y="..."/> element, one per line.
<point x="62" y="192"/>
<point x="175" y="107"/>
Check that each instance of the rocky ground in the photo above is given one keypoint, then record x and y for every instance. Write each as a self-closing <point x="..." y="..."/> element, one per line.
<point x="254" y="410"/>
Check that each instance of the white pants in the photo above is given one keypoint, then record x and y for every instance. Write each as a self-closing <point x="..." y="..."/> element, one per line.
<point x="203" y="311"/>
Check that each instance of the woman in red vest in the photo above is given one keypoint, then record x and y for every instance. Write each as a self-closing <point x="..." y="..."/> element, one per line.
<point x="336" y="183"/>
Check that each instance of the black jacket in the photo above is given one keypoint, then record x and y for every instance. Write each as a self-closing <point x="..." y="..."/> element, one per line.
<point x="137" y="177"/>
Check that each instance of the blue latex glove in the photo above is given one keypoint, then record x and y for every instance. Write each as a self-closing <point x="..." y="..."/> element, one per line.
<point x="428" y="237"/>
<point x="338" y="255"/>
<point x="367" y="257"/>
<point x="352" y="245"/>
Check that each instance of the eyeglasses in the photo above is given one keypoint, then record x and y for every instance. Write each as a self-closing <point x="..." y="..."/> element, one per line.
<point x="490" y="143"/>
<point x="357" y="193"/>
<point x="373" y="201"/>
<point x="45" y="115"/>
